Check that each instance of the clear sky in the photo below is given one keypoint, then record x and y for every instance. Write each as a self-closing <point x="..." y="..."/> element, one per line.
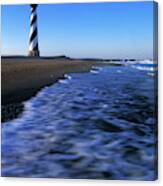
<point x="104" y="30"/>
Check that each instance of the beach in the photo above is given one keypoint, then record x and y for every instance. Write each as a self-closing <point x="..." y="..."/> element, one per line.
<point x="79" y="91"/>
<point x="85" y="126"/>
<point x="22" y="78"/>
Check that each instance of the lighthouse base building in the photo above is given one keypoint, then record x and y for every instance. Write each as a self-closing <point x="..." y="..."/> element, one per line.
<point x="33" y="53"/>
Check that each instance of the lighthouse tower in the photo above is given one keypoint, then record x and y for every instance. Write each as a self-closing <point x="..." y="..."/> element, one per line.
<point x="33" y="38"/>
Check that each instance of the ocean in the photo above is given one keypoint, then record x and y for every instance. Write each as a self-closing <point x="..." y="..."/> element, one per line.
<point x="96" y="125"/>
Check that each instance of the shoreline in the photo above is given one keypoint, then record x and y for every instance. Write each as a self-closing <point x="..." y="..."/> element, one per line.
<point x="22" y="79"/>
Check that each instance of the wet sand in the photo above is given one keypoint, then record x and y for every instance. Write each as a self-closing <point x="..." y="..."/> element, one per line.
<point x="23" y="78"/>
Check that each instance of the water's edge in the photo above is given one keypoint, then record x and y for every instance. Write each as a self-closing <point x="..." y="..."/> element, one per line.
<point x="14" y="110"/>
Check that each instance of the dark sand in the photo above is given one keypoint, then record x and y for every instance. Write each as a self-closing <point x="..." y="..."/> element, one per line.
<point x="23" y="78"/>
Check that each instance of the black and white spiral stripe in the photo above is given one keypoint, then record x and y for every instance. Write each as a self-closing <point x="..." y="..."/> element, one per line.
<point x="33" y="41"/>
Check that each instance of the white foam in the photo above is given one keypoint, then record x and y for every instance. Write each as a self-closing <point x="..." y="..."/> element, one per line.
<point x="105" y="106"/>
<point x="94" y="71"/>
<point x="119" y="71"/>
<point x="151" y="74"/>
<point x="96" y="68"/>
<point x="67" y="76"/>
<point x="114" y="62"/>
<point x="146" y="61"/>
<point x="63" y="81"/>
<point x="144" y="68"/>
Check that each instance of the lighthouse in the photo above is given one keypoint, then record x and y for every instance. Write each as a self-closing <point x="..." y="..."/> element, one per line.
<point x="33" y="37"/>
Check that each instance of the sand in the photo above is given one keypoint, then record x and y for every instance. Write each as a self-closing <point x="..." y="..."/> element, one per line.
<point x="23" y="78"/>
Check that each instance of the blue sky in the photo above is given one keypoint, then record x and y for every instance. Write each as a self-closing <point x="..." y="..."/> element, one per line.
<point x="104" y="30"/>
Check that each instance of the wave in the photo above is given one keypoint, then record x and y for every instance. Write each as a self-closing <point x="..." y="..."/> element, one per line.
<point x="96" y="68"/>
<point x="94" y="71"/>
<point x="146" y="61"/>
<point x="146" y="65"/>
<point x="64" y="124"/>
<point x="67" y="76"/>
<point x="145" y="68"/>
<point x="64" y="81"/>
